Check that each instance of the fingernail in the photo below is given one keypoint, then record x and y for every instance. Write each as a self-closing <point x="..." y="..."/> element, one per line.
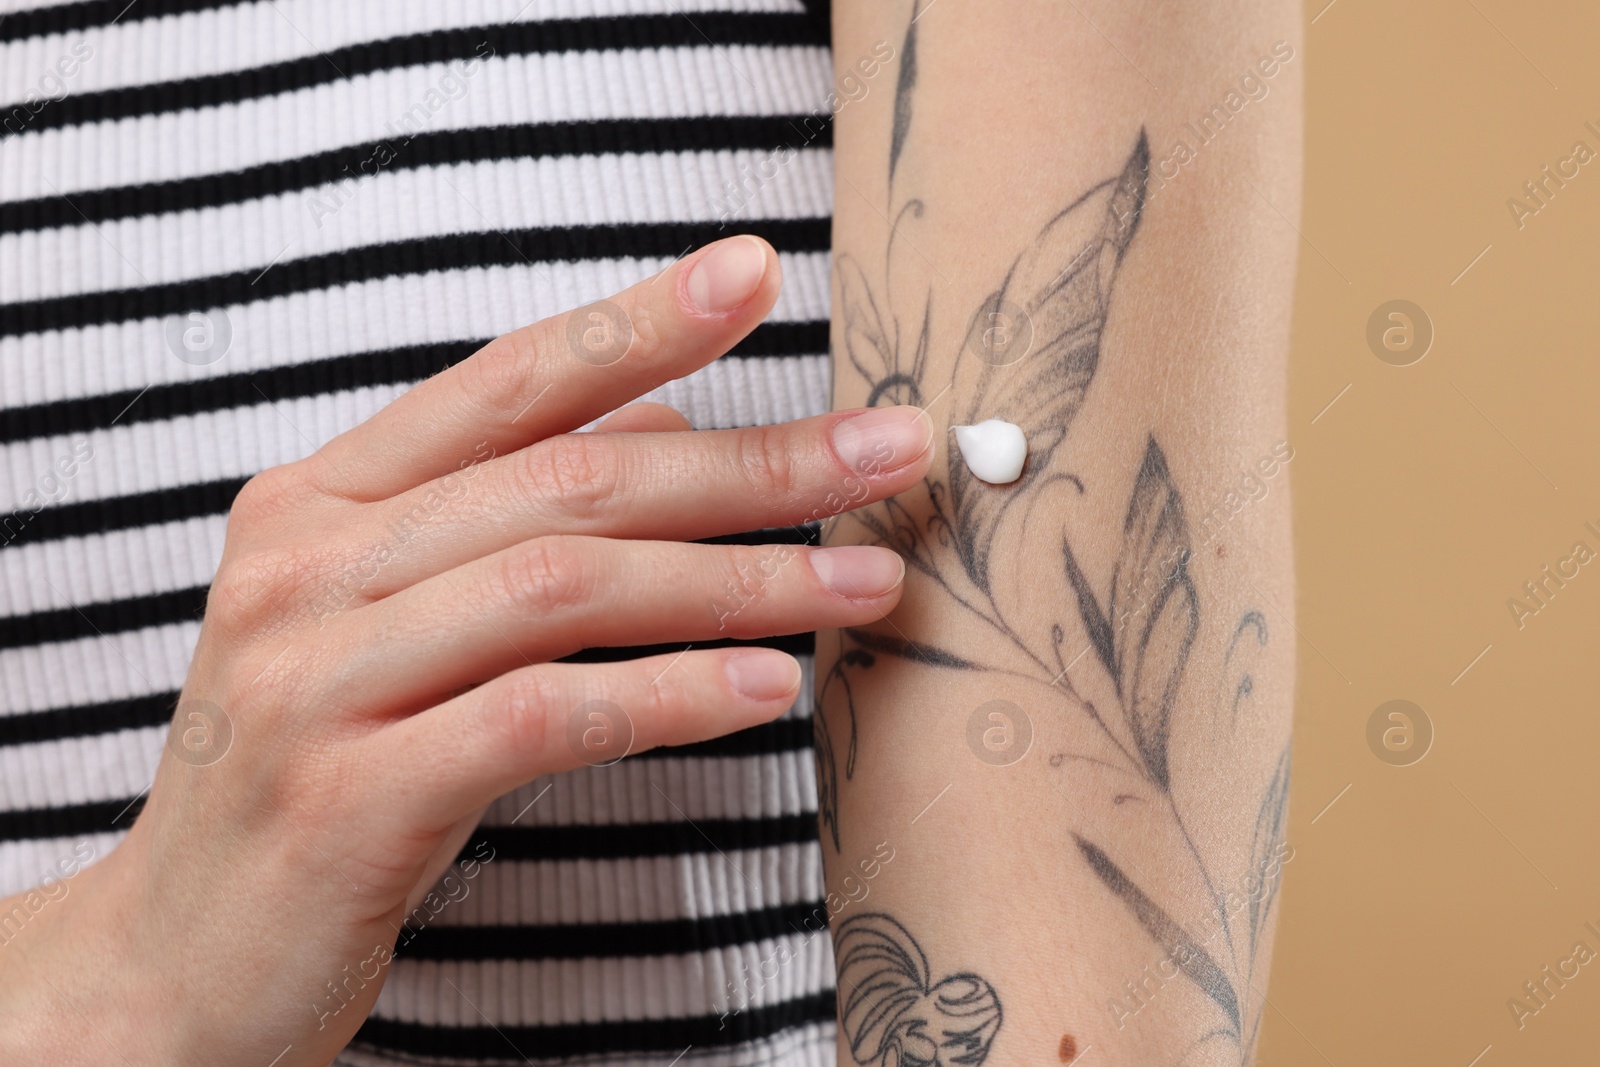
<point x="763" y="674"/>
<point x="727" y="275"/>
<point x="860" y="572"/>
<point x="882" y="439"/>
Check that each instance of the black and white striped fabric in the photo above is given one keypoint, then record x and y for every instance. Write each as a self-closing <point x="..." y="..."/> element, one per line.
<point x="229" y="232"/>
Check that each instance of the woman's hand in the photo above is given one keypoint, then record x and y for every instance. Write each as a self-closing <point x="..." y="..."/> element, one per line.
<point x="378" y="656"/>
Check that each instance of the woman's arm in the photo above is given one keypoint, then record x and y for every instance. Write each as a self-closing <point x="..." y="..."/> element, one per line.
<point x="1071" y="738"/>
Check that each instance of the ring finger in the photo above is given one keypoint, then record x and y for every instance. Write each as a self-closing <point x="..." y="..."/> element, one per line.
<point x="553" y="596"/>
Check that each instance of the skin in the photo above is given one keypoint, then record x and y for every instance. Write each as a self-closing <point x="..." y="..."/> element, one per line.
<point x="373" y="719"/>
<point x="1063" y="886"/>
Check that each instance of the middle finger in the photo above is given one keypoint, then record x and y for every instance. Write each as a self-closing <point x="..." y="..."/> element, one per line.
<point x="659" y="486"/>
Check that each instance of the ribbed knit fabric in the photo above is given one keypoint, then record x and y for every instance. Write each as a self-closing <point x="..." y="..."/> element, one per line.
<point x="163" y="157"/>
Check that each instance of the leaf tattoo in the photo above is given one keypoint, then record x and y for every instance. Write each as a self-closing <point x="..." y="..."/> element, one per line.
<point x="859" y="649"/>
<point x="1256" y="623"/>
<point x="907" y="649"/>
<point x="1053" y="301"/>
<point x="827" y="769"/>
<point x="892" y="1012"/>
<point x="902" y="91"/>
<point x="1182" y="949"/>
<point x="1154" y="610"/>
<point x="1265" y="845"/>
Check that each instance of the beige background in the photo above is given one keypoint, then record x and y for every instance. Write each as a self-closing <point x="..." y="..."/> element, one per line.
<point x="1422" y="897"/>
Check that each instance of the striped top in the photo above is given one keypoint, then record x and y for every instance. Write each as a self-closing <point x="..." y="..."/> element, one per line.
<point x="229" y="232"/>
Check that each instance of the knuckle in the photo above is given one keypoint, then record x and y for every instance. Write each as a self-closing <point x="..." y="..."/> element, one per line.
<point x="661" y="704"/>
<point x="745" y="577"/>
<point x="766" y="460"/>
<point x="257" y="590"/>
<point x="647" y="341"/>
<point x="548" y="575"/>
<point x="526" y="707"/>
<point x="500" y="377"/>
<point x="267" y="496"/>
<point x="574" y="472"/>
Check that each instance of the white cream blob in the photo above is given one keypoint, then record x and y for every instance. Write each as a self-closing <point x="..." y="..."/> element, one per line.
<point x="994" y="450"/>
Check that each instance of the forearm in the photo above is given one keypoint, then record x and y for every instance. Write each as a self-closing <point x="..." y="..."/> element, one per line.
<point x="1041" y="218"/>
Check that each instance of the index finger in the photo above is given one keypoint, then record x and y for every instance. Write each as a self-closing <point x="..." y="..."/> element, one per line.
<point x="559" y="373"/>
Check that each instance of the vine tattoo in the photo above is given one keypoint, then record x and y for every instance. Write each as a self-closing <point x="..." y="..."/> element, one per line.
<point x="892" y="1012"/>
<point x="1029" y="356"/>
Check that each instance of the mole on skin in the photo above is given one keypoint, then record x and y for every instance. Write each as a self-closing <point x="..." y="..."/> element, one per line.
<point x="994" y="450"/>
